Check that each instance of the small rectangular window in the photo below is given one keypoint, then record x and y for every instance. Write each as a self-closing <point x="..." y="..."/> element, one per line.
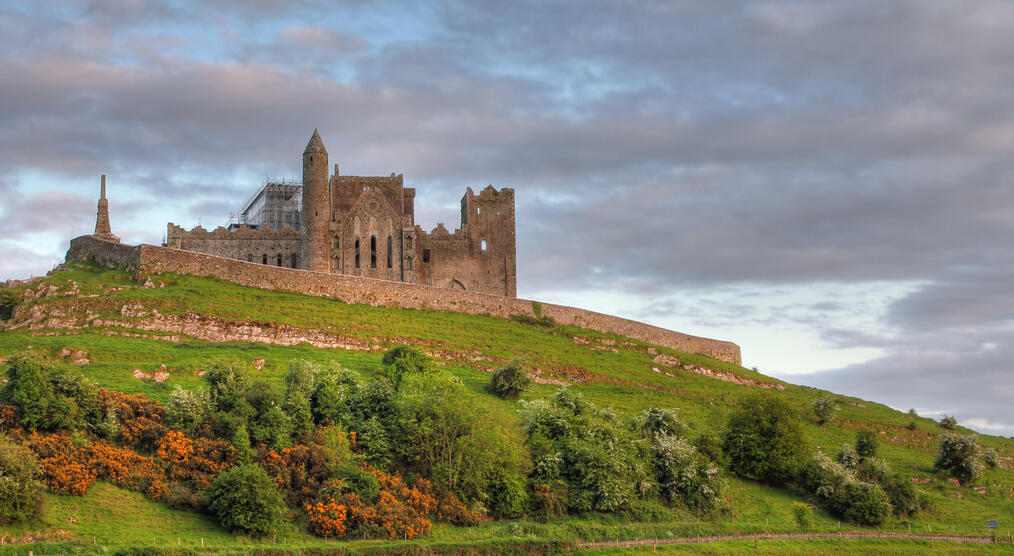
<point x="426" y="255"/>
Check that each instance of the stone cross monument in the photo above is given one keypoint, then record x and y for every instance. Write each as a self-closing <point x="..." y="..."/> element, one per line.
<point x="102" y="230"/>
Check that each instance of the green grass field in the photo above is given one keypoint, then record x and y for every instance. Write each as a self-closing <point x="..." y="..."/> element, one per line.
<point x="606" y="369"/>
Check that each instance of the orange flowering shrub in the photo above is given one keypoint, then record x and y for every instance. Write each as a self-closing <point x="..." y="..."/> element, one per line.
<point x="299" y="472"/>
<point x="125" y="468"/>
<point x="10" y="417"/>
<point x="399" y="520"/>
<point x="142" y="420"/>
<point x="62" y="468"/>
<point x="326" y="518"/>
<point x="194" y="462"/>
<point x="422" y="502"/>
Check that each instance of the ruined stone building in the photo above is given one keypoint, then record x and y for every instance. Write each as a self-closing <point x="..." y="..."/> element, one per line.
<point x="365" y="226"/>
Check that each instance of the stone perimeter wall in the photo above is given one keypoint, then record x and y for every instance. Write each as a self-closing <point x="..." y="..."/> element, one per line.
<point x="148" y="259"/>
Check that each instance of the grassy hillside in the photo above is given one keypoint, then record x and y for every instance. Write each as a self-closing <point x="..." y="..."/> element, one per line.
<point x="610" y="371"/>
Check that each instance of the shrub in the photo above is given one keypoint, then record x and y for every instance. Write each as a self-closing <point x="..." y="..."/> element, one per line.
<point x="948" y="422"/>
<point x="507" y="494"/>
<point x="403" y="360"/>
<point x="549" y="500"/>
<point x="657" y="421"/>
<point x="8" y="302"/>
<point x="867" y="443"/>
<point x="825" y="409"/>
<point x="764" y="440"/>
<point x="374" y="443"/>
<point x="244" y="500"/>
<point x="685" y="476"/>
<point x="299" y="472"/>
<point x="510" y="381"/>
<point x="848" y="457"/>
<point x="990" y="458"/>
<point x="803" y="514"/>
<point x="50" y="398"/>
<point x="873" y="469"/>
<point x="710" y="444"/>
<point x="848" y="498"/>
<point x="20" y="491"/>
<point x="188" y="411"/>
<point x="141" y="419"/>
<point x="326" y="518"/>
<point x="959" y="456"/>
<point x="905" y="498"/>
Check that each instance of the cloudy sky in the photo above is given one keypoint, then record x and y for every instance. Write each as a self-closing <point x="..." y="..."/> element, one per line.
<point x="828" y="184"/>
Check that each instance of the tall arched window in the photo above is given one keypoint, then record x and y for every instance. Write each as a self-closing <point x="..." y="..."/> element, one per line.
<point x="390" y="259"/>
<point x="357" y="252"/>
<point x="373" y="251"/>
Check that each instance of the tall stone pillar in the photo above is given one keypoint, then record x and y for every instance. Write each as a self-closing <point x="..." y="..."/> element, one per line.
<point x="102" y="230"/>
<point x="315" y="250"/>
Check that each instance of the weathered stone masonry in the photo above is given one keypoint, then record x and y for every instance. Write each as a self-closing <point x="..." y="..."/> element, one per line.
<point x="149" y="259"/>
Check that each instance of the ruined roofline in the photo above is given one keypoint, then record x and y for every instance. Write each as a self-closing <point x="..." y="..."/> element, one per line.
<point x="199" y="232"/>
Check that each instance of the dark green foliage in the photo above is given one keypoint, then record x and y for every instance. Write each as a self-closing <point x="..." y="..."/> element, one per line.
<point x="545" y="322"/>
<point x="357" y="481"/>
<point x="844" y="496"/>
<point x="50" y="398"/>
<point x="300" y="383"/>
<point x="848" y="457"/>
<point x="960" y="456"/>
<point x="710" y="444"/>
<point x="905" y="498"/>
<point x="227" y="387"/>
<point x="510" y="381"/>
<point x="20" y="491"/>
<point x="403" y="360"/>
<point x="657" y="421"/>
<point x="8" y="302"/>
<point x="685" y="477"/>
<point x="867" y="443"/>
<point x="990" y="458"/>
<point x="244" y="500"/>
<point x="375" y="444"/>
<point x="332" y="395"/>
<point x="596" y="453"/>
<point x="948" y="422"/>
<point x="241" y="441"/>
<point x="825" y="409"/>
<point x="764" y="440"/>
<point x="507" y="495"/>
<point x="268" y="425"/>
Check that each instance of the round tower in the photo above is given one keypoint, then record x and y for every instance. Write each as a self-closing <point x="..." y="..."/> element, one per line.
<point x="316" y="210"/>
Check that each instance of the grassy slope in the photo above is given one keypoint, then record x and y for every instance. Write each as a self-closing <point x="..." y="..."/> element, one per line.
<point x="608" y="370"/>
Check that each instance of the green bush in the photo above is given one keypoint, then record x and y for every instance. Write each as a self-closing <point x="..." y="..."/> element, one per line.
<point x="825" y="409"/>
<point x="948" y="422"/>
<point x="848" y="457"/>
<point x="510" y="381"/>
<point x="400" y="361"/>
<point x="764" y="440"/>
<point x="188" y="411"/>
<point x="990" y="458"/>
<point x="8" y="302"/>
<point x="686" y="477"/>
<point x="244" y="500"/>
<point x="959" y="456"/>
<point x="867" y="443"/>
<point x="656" y="421"/>
<point x="843" y="495"/>
<point x="873" y="469"/>
<point x="803" y="514"/>
<point x="50" y="398"/>
<point x="20" y="491"/>
<point x="905" y="498"/>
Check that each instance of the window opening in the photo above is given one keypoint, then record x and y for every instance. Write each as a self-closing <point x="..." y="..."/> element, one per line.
<point x="408" y="263"/>
<point x="390" y="256"/>
<point x="373" y="251"/>
<point x="294" y="261"/>
<point x="249" y="258"/>
<point x="483" y="245"/>
<point x="426" y="255"/>
<point x="279" y="260"/>
<point x="357" y="252"/>
<point x="264" y="258"/>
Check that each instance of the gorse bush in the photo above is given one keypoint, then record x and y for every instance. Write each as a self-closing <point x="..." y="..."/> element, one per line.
<point x="244" y="500"/>
<point x="510" y="381"/>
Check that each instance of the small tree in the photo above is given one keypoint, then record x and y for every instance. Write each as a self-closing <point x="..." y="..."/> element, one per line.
<point x="960" y="456"/>
<point x="990" y="458"/>
<point x="245" y="501"/>
<point x="867" y="444"/>
<point x="764" y="440"/>
<point x="848" y="457"/>
<point x="510" y="381"/>
<point x="825" y="409"/>
<point x="188" y="411"/>
<point x="948" y="422"/>
<point x="20" y="491"/>
<point x="8" y="302"/>
<point x="662" y="421"/>
<point x="684" y="475"/>
<point x="402" y="360"/>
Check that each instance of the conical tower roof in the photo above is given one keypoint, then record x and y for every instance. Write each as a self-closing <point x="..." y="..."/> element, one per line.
<point x="315" y="145"/>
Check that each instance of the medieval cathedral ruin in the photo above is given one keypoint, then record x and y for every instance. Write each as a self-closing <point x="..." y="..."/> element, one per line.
<point x="365" y="226"/>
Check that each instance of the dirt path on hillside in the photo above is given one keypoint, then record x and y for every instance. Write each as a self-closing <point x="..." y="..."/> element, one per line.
<point x="794" y="536"/>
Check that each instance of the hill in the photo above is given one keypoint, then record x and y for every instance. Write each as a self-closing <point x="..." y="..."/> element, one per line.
<point x="165" y="332"/>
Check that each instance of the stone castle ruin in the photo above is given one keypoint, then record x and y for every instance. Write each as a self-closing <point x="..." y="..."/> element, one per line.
<point x="365" y="226"/>
<point x="354" y="238"/>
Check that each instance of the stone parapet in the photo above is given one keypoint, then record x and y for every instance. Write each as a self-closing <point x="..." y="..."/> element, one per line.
<point x="149" y="259"/>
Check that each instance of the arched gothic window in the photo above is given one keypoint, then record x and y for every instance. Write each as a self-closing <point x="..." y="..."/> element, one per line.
<point x="390" y="255"/>
<point x="373" y="251"/>
<point x="357" y="252"/>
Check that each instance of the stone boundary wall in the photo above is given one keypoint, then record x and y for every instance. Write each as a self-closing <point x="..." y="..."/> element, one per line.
<point x="149" y="259"/>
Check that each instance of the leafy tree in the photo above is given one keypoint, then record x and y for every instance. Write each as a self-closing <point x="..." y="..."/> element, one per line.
<point x="241" y="441"/>
<point x="403" y="360"/>
<point x="244" y="500"/>
<point x="684" y="475"/>
<point x="656" y="421"/>
<point x="20" y="491"/>
<point x="948" y="422"/>
<point x="510" y="381"/>
<point x="960" y="456"/>
<point x="8" y="302"/>
<point x="825" y="409"/>
<point x="334" y="389"/>
<point x="375" y="444"/>
<point x="710" y="444"/>
<point x="867" y="443"/>
<point x="50" y="398"/>
<point x="990" y="458"/>
<point x="848" y="456"/>
<point x="764" y="440"/>
<point x="300" y="383"/>
<point x="905" y="498"/>
<point x="188" y="411"/>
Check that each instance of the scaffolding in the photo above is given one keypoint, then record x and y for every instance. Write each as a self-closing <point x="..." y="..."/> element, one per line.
<point x="275" y="205"/>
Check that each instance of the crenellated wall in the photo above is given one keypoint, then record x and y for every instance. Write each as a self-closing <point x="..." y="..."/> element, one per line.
<point x="149" y="259"/>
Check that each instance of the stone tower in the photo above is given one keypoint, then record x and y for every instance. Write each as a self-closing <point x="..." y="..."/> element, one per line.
<point x="102" y="230"/>
<point x="315" y="253"/>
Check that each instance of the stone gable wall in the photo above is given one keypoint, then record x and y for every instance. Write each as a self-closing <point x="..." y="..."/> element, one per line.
<point x="149" y="259"/>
